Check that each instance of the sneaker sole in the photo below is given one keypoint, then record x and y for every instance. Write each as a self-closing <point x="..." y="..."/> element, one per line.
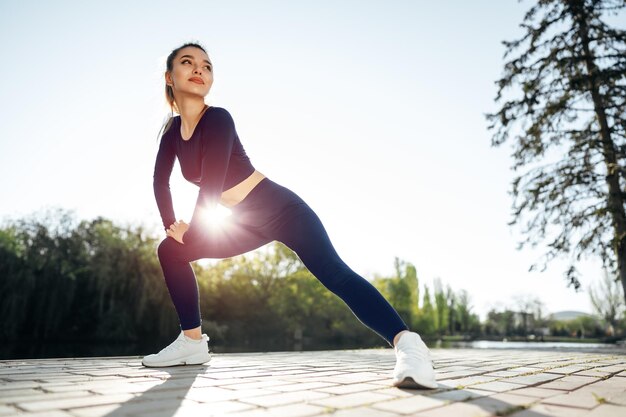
<point x="409" y="382"/>
<point x="190" y="360"/>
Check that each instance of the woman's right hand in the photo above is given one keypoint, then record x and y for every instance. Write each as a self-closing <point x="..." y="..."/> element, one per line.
<point x="177" y="230"/>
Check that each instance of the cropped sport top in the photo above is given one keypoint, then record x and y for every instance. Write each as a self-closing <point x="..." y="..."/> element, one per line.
<point x="213" y="159"/>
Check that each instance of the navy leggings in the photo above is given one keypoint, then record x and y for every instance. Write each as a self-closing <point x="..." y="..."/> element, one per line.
<point x="273" y="212"/>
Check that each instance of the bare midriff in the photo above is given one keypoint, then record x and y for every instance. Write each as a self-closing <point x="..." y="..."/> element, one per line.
<point x="234" y="195"/>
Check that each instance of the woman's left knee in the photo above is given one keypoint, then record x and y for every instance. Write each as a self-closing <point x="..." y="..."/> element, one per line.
<point x="168" y="249"/>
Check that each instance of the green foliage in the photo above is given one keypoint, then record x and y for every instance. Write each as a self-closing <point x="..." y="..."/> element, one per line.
<point x="442" y="312"/>
<point x="401" y="290"/>
<point x="426" y="320"/>
<point x="64" y="280"/>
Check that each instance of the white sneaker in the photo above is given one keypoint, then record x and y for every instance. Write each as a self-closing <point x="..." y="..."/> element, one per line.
<point x="182" y="351"/>
<point x="414" y="366"/>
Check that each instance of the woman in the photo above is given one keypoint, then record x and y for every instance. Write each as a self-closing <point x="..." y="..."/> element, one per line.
<point x="205" y="141"/>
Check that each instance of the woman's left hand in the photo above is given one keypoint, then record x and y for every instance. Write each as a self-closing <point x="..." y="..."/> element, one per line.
<point x="177" y="230"/>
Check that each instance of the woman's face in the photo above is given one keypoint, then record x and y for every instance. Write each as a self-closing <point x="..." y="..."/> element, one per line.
<point x="192" y="73"/>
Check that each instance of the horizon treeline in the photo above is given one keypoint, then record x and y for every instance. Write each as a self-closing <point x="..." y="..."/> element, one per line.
<point x="69" y="280"/>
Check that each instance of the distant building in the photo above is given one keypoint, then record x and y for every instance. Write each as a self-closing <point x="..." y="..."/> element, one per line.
<point x="568" y="315"/>
<point x="543" y="331"/>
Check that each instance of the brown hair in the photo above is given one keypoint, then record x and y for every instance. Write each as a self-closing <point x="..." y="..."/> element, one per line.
<point x="169" y="93"/>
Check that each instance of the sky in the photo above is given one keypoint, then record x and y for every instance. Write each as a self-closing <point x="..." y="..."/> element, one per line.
<point x="372" y="111"/>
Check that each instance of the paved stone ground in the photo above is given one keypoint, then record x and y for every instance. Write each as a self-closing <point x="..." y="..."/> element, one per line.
<point x="472" y="382"/>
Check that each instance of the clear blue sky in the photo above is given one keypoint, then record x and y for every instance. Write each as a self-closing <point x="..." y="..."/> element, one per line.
<point x="371" y="111"/>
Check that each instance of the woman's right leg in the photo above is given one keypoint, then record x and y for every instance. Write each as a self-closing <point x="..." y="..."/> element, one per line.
<point x="228" y="239"/>
<point x="223" y="241"/>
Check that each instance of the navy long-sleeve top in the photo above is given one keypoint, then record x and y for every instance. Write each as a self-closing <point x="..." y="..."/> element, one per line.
<point x="213" y="159"/>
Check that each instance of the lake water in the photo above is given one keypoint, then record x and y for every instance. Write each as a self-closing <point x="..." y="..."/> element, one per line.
<point x="560" y="346"/>
<point x="12" y="350"/>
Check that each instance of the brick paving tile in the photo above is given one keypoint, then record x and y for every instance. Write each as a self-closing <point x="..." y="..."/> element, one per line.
<point x="457" y="395"/>
<point x="618" y="399"/>
<point x="453" y="368"/>
<point x="573" y="399"/>
<point x="293" y="410"/>
<point x="536" y="392"/>
<point x="104" y="410"/>
<point x="284" y="398"/>
<point x="395" y="392"/>
<point x="266" y="383"/>
<point x="94" y="411"/>
<point x="27" y="376"/>
<point x="348" y="388"/>
<point x="350" y="400"/>
<point x="501" y="374"/>
<point x="569" y="383"/>
<point x="123" y="387"/>
<point x="19" y="385"/>
<point x="305" y="377"/>
<point x="457" y="374"/>
<point x="534" y="379"/>
<point x="352" y="378"/>
<point x="571" y="369"/>
<point x="6" y="410"/>
<point x="188" y="411"/>
<point x="205" y="396"/>
<point x="589" y="396"/>
<point x="359" y="412"/>
<point x="612" y="368"/>
<point x="44" y="396"/>
<point x="54" y="413"/>
<point x="493" y="367"/>
<point x="455" y="410"/>
<point x="549" y="410"/>
<point x="133" y="407"/>
<point x="320" y="383"/>
<point x="595" y="372"/>
<point x="10" y="393"/>
<point x="502" y="404"/>
<point x="287" y="386"/>
<point x="409" y="404"/>
<point x="522" y="370"/>
<point x="607" y="410"/>
<point x="222" y="382"/>
<point x="73" y="402"/>
<point x="497" y="386"/>
<point x="221" y="407"/>
<point x="173" y="395"/>
<point x="464" y="382"/>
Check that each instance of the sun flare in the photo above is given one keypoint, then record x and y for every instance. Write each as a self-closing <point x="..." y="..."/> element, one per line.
<point x="218" y="216"/>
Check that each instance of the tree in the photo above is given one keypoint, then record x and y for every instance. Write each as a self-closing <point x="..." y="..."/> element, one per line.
<point x="408" y="273"/>
<point x="572" y="81"/>
<point x="452" y="311"/>
<point x="427" y="316"/>
<point x="464" y="307"/>
<point x="502" y="323"/>
<point x="607" y="299"/>
<point x="441" y="307"/>
<point x="401" y="290"/>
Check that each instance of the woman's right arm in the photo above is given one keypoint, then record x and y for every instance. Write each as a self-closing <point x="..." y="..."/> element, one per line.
<point x="161" y="181"/>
